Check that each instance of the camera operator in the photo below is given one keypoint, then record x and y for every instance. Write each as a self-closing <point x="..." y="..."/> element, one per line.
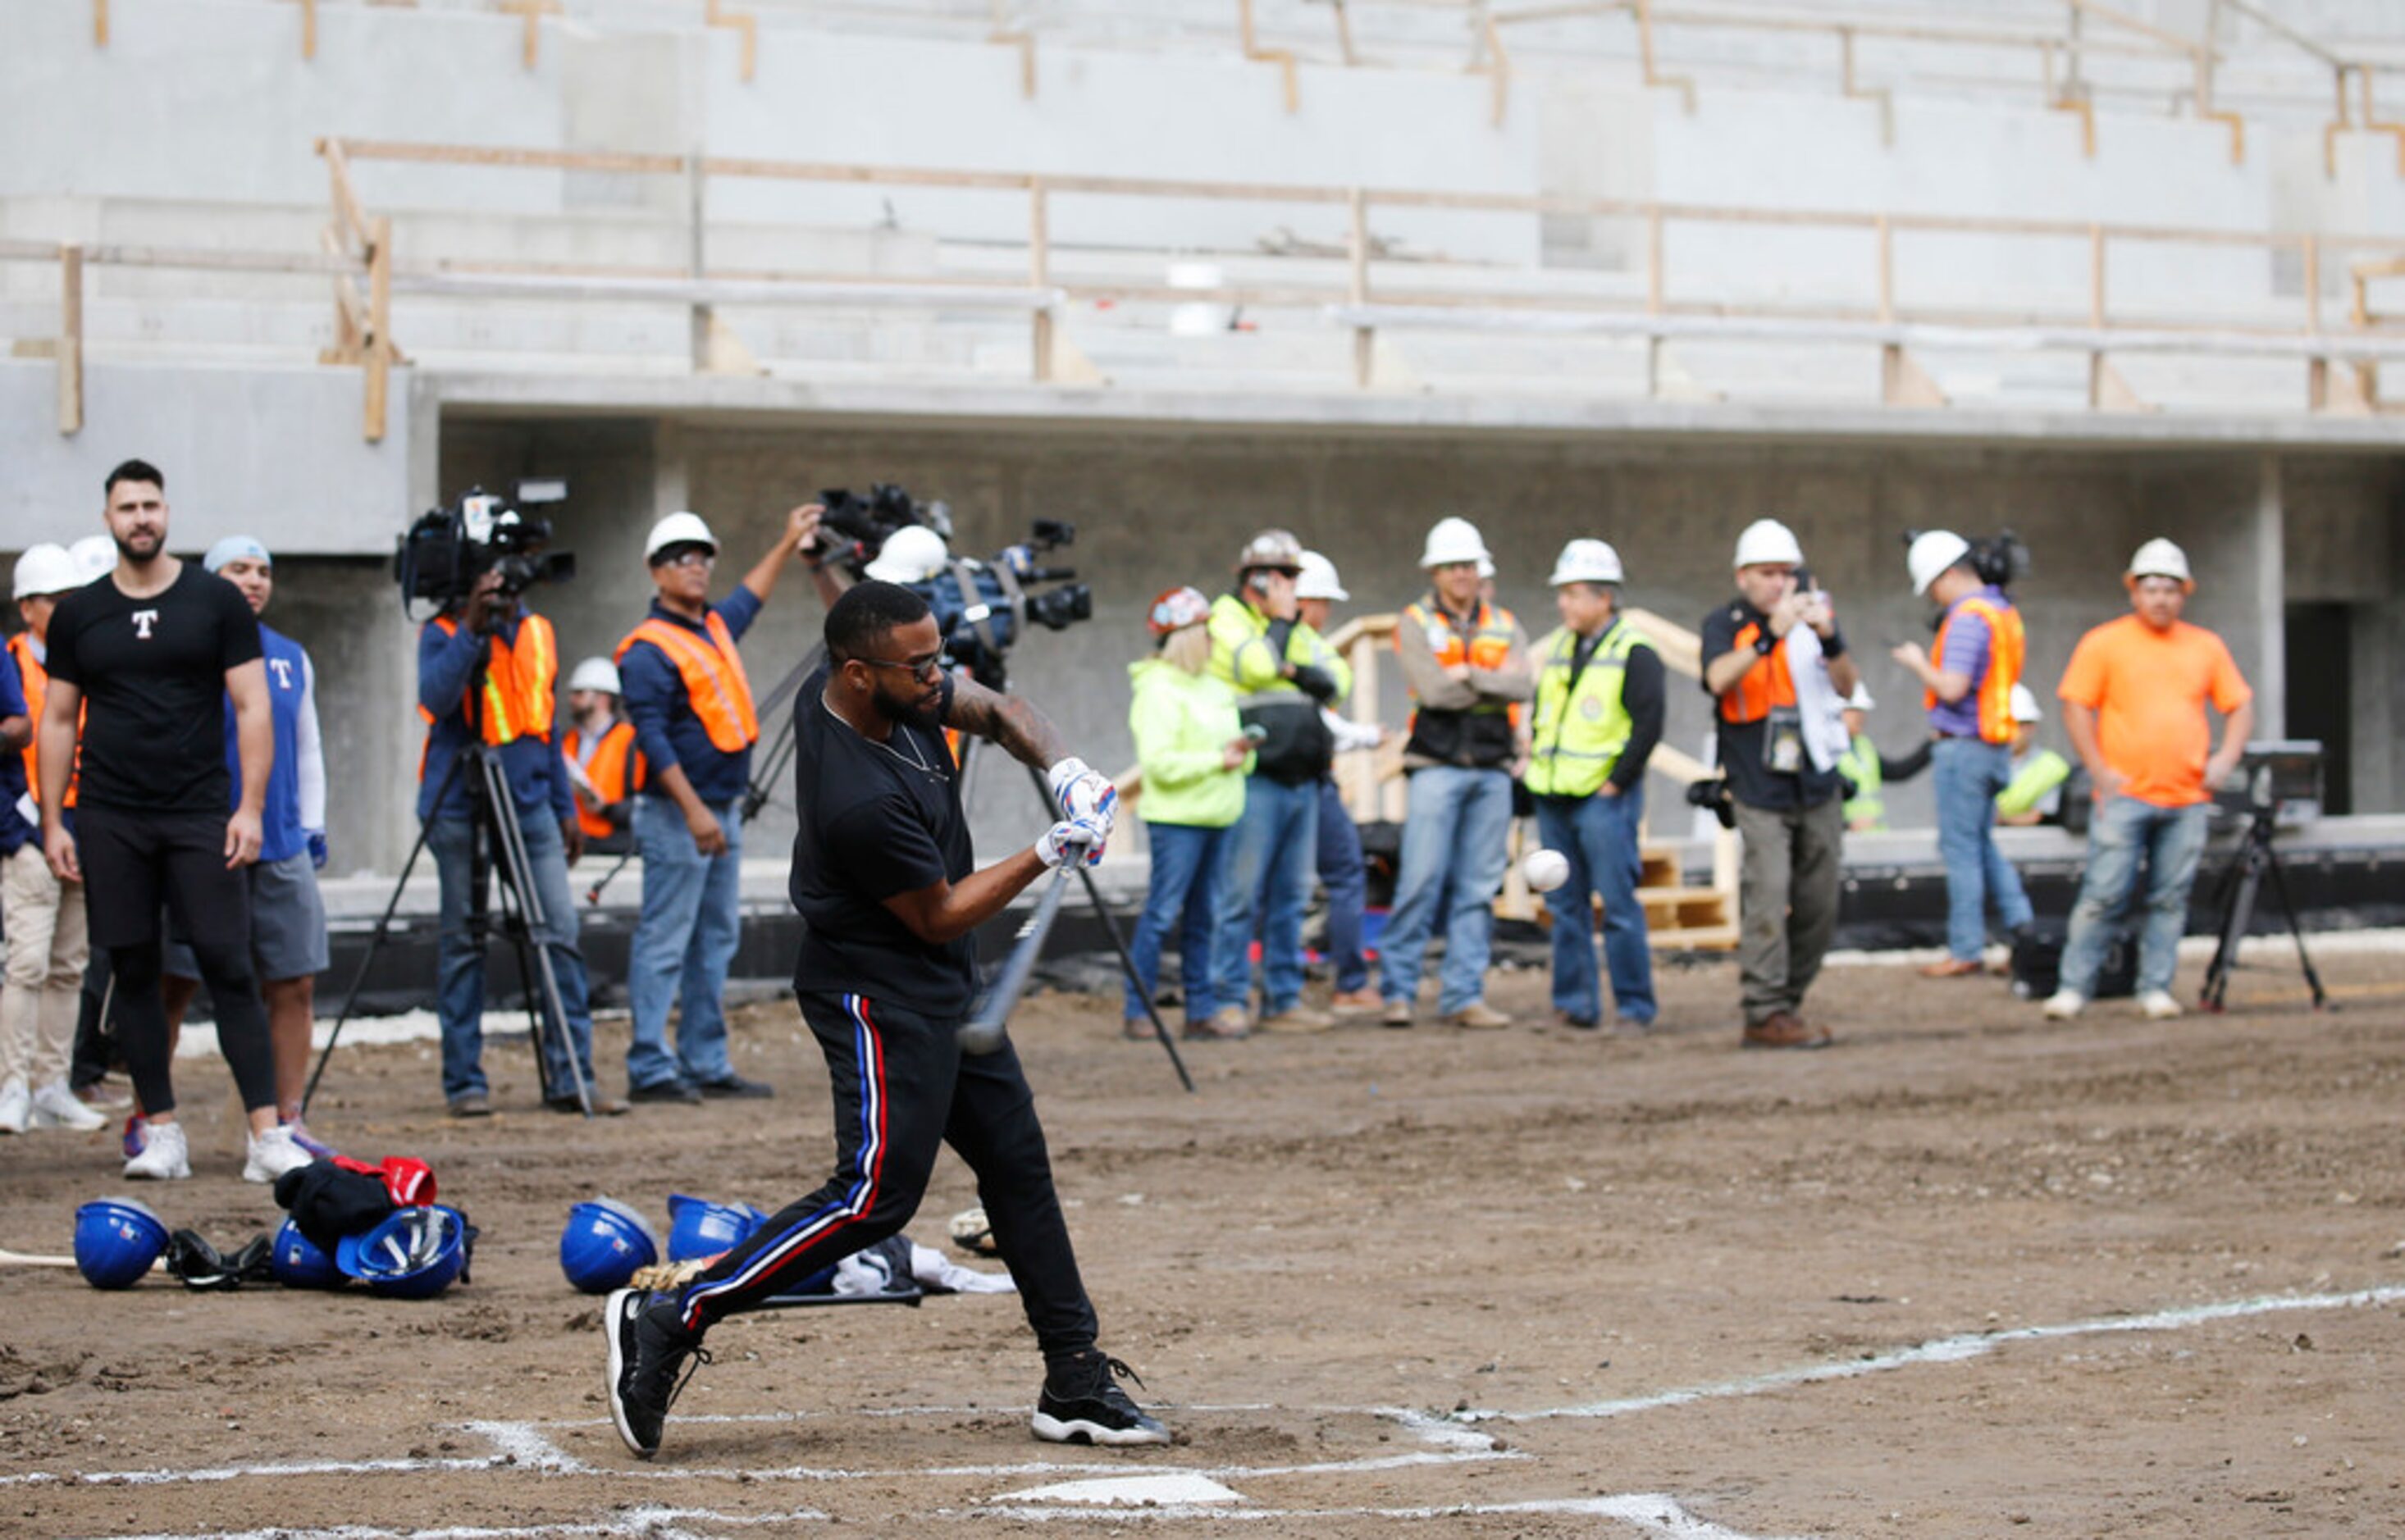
<point x="694" y="723"/>
<point x="1967" y="691"/>
<point x="1777" y="665"/>
<point x="512" y="713"/>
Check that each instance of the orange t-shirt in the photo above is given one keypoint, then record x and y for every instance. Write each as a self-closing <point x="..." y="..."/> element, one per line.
<point x="2148" y="690"/>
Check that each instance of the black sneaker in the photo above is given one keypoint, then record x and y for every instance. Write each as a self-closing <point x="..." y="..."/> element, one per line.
<point x="673" y="1091"/>
<point x="1082" y="1405"/>
<point x="646" y="1348"/>
<point x="735" y="1088"/>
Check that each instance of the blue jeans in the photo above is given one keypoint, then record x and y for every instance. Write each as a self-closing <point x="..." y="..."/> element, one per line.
<point x="684" y="940"/>
<point x="1269" y="876"/>
<point x="1454" y="827"/>
<point x="459" y="960"/>
<point x="1968" y="773"/>
<point x="1599" y="834"/>
<point x="2169" y="840"/>
<point x="1345" y="876"/>
<point x="1190" y="865"/>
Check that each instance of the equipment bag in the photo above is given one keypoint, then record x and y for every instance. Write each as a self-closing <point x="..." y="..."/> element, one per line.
<point x="2037" y="964"/>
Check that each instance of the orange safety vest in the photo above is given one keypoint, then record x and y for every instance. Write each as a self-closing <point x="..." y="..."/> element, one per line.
<point x="617" y="772"/>
<point x="518" y="679"/>
<point x="2007" y="645"/>
<point x="714" y="682"/>
<point x="36" y="680"/>
<point x="1767" y="684"/>
<point x="1445" y="735"/>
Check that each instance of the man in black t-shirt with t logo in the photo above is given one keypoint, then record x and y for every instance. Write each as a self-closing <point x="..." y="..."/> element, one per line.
<point x="148" y="655"/>
<point x="884" y="877"/>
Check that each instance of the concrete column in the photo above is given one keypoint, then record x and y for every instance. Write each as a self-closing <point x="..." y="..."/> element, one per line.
<point x="672" y="486"/>
<point x="2270" y="603"/>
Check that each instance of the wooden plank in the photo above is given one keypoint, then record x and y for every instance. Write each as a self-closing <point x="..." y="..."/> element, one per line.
<point x="1039" y="267"/>
<point x="1681" y="649"/>
<point x="70" y="354"/>
<point x="379" y="357"/>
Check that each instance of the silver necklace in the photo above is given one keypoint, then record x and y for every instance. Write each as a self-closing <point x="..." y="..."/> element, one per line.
<point x="914" y="760"/>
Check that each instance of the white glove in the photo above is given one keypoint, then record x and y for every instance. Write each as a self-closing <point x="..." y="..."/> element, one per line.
<point x="1082" y="794"/>
<point x="1070" y="838"/>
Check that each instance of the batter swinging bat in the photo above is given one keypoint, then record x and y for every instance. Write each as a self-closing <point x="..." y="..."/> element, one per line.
<point x="982" y="1034"/>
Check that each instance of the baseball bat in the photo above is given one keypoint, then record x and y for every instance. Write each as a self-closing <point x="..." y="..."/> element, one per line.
<point x="983" y="1032"/>
<point x="38" y="1259"/>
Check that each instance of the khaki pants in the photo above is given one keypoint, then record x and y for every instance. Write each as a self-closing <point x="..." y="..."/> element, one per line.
<point x="46" y="950"/>
<point x="1787" y="895"/>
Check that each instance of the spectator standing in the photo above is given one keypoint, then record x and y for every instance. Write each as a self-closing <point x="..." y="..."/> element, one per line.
<point x="1859" y="767"/>
<point x="2034" y="794"/>
<point x="1598" y="714"/>
<point x="1343" y="874"/>
<point x="2133" y="702"/>
<point x="605" y="768"/>
<point x="1466" y="660"/>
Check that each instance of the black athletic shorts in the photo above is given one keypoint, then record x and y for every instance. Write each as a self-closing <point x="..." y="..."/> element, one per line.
<point x="134" y="863"/>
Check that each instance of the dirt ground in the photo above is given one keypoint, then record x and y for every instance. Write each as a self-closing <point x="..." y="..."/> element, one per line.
<point x="1966" y="1273"/>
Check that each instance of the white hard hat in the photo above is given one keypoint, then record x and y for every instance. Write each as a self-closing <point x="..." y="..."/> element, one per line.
<point x="1318" y="578"/>
<point x="679" y="528"/>
<point x="1585" y="561"/>
<point x="1485" y="567"/>
<point x="912" y="554"/>
<point x="1860" y="699"/>
<point x="595" y="673"/>
<point x="2160" y="558"/>
<point x="2025" y="704"/>
<point x="1454" y="540"/>
<point x="1768" y="541"/>
<point x="93" y="555"/>
<point x="1933" y="551"/>
<point x="1274" y="550"/>
<point x="46" y="569"/>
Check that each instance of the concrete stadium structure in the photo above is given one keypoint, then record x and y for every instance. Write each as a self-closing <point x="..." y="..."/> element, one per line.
<point x="1639" y="311"/>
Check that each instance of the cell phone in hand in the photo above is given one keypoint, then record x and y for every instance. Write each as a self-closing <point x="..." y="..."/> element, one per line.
<point x="1255" y="733"/>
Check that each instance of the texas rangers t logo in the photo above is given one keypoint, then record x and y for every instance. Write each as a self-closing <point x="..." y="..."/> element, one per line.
<point x="142" y="620"/>
<point x="283" y="668"/>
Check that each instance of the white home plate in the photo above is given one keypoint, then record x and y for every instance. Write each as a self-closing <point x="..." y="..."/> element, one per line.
<point x="1169" y="1489"/>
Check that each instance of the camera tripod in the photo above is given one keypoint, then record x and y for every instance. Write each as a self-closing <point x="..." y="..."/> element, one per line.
<point x="2241" y="883"/>
<point x="492" y="818"/>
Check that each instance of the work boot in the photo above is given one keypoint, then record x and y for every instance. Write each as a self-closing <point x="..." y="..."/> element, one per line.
<point x="1397" y="1013"/>
<point x="1478" y="1016"/>
<point x="1226" y="1024"/>
<point x="1784" y="1030"/>
<point x="1296" y="1018"/>
<point x="1081" y="1404"/>
<point x="648" y="1345"/>
<point x="1355" y="1002"/>
<point x="1952" y="968"/>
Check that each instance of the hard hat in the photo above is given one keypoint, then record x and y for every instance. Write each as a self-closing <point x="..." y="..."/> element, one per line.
<point x="1275" y="549"/>
<point x="2160" y="558"/>
<point x="1768" y="541"/>
<point x="595" y="673"/>
<point x="415" y="1255"/>
<point x="1175" y="609"/>
<point x="93" y="555"/>
<point x="1451" y="540"/>
<point x="298" y="1262"/>
<point x="116" y="1241"/>
<point x="1485" y="567"/>
<point x="1931" y="551"/>
<point x="699" y="1228"/>
<point x="604" y="1244"/>
<point x="236" y="548"/>
<point x="1585" y="561"/>
<point x="47" y="568"/>
<point x="1860" y="699"/>
<point x="1317" y="579"/>
<point x="912" y="554"/>
<point x="2025" y="707"/>
<point x="679" y="528"/>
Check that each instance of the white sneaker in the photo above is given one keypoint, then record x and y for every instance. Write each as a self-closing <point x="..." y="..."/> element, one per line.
<point x="272" y="1154"/>
<point x="2063" y="1004"/>
<point x="164" y="1156"/>
<point x="2159" y="1005"/>
<point x="16" y="1107"/>
<point x="56" y="1107"/>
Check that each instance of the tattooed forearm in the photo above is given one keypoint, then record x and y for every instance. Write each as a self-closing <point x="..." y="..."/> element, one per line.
<point x="1009" y="720"/>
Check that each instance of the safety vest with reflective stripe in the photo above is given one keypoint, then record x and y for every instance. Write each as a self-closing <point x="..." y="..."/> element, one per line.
<point x="1767" y="684"/>
<point x="518" y="679"/>
<point x="2007" y="645"/>
<point x="714" y="682"/>
<point x="1481" y="736"/>
<point x="615" y="770"/>
<point x="36" y="680"/>
<point x="1581" y="728"/>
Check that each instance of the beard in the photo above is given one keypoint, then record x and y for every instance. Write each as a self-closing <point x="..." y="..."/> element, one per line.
<point x="143" y="545"/>
<point x="915" y="709"/>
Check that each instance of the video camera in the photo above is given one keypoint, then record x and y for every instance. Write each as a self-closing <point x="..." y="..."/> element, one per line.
<point x="981" y="620"/>
<point x="448" y="550"/>
<point x="1999" y="559"/>
<point x="854" y="529"/>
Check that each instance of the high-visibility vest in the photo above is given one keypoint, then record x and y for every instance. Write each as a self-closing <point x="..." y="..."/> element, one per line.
<point x="518" y="679"/>
<point x="1581" y="727"/>
<point x="1483" y="735"/>
<point x="1767" y="684"/>
<point x="1860" y="763"/>
<point x="714" y="682"/>
<point x="2007" y="645"/>
<point x="36" y="680"/>
<point x="616" y="771"/>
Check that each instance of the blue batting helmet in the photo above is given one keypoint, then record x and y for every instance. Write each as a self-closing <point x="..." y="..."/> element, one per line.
<point x="415" y="1255"/>
<point x="604" y="1244"/>
<point x="699" y="1228"/>
<point x="116" y="1241"/>
<point x="299" y="1263"/>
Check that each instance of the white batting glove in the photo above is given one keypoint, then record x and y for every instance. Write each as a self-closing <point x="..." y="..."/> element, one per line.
<point x="1072" y="839"/>
<point x="1082" y="794"/>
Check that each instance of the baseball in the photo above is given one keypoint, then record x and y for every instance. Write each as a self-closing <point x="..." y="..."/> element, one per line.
<point x="1545" y="870"/>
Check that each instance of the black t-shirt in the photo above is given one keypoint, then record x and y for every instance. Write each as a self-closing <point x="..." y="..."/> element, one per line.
<point x="875" y="819"/>
<point x="1743" y="744"/>
<point x="153" y="673"/>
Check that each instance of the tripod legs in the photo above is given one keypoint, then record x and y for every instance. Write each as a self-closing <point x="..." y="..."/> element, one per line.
<point x="2240" y="885"/>
<point x="546" y="1011"/>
